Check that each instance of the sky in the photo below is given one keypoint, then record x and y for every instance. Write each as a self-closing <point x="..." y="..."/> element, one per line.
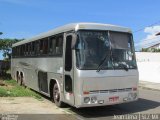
<point x="26" y="18"/>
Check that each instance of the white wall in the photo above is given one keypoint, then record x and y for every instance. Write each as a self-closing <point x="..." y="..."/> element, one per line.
<point x="148" y="66"/>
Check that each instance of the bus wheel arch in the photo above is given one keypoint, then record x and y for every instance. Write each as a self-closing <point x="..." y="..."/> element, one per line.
<point x="55" y="93"/>
<point x="22" y="78"/>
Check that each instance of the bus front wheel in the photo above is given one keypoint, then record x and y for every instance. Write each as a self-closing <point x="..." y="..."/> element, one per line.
<point x="56" y="96"/>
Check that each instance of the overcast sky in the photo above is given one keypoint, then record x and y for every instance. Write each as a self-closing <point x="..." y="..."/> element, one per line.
<point x="26" y="18"/>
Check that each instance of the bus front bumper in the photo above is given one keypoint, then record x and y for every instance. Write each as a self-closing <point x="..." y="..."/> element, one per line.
<point x="92" y="100"/>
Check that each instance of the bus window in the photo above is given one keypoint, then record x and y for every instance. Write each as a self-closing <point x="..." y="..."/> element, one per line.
<point x="45" y="46"/>
<point x="52" y="44"/>
<point x="59" y="45"/>
<point x="37" y="48"/>
<point x="26" y="49"/>
<point x="41" y="47"/>
<point x="29" y="49"/>
<point x="23" y="50"/>
<point x="33" y="49"/>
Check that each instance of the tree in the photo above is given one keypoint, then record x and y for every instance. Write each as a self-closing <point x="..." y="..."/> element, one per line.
<point x="6" y="45"/>
<point x="145" y="50"/>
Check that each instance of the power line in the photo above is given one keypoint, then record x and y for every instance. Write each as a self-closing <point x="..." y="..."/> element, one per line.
<point x="142" y="28"/>
<point x="149" y="43"/>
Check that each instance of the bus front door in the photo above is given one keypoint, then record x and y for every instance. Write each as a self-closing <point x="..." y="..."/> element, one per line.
<point x="68" y="70"/>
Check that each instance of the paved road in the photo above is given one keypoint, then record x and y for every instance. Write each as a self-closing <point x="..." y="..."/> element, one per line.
<point x="149" y="102"/>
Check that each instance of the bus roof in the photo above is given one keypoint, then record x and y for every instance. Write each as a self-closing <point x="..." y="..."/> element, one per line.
<point x="76" y="27"/>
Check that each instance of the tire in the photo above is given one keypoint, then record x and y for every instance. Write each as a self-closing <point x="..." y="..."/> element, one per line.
<point x="22" y="81"/>
<point x="19" y="81"/>
<point x="56" y="96"/>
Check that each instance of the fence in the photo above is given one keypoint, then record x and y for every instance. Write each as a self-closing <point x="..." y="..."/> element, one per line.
<point x="148" y="66"/>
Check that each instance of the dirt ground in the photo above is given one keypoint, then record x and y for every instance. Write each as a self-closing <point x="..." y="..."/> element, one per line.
<point x="28" y="105"/>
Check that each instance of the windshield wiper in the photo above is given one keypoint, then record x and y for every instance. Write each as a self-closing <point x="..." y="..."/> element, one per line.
<point x="123" y="66"/>
<point x="101" y="63"/>
<point x="110" y="56"/>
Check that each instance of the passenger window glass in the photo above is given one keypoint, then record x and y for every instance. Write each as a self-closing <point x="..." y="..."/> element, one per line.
<point x="29" y="49"/>
<point x="37" y="47"/>
<point x="41" y="47"/>
<point x="59" y="45"/>
<point x="52" y="44"/>
<point x="23" y="50"/>
<point x="32" y="48"/>
<point x="45" y="46"/>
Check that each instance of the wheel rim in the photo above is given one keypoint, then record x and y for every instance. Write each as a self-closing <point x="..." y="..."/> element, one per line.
<point x="56" y="94"/>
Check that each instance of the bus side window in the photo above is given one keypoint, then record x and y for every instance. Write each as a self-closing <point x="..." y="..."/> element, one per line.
<point x="50" y="46"/>
<point x="57" y="48"/>
<point x="59" y="45"/>
<point x="23" y="50"/>
<point x="45" y="46"/>
<point x="41" y="47"/>
<point x="37" y="48"/>
<point x="33" y="49"/>
<point x="26" y="49"/>
<point x="29" y="49"/>
<point x="53" y="46"/>
<point x="16" y="51"/>
<point x="52" y="43"/>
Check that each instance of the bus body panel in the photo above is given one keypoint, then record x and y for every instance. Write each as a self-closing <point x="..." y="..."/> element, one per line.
<point x="31" y="66"/>
<point x="105" y="84"/>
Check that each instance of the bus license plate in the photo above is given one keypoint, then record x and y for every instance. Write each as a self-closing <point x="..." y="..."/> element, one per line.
<point x="114" y="99"/>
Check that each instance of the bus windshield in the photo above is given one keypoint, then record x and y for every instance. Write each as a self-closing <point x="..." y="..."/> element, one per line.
<point x="114" y="50"/>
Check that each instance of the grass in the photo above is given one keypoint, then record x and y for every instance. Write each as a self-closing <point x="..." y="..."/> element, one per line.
<point x="12" y="89"/>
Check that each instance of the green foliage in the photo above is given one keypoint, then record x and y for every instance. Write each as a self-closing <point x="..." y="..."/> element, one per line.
<point x="150" y="50"/>
<point x="6" y="45"/>
<point x="3" y="92"/>
<point x="12" y="89"/>
<point x="144" y="50"/>
<point x="11" y="82"/>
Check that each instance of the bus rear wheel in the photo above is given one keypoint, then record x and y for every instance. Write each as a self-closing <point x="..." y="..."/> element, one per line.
<point x="56" y="96"/>
<point x="19" y="81"/>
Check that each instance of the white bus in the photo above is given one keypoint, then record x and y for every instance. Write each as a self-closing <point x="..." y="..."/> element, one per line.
<point x="81" y="64"/>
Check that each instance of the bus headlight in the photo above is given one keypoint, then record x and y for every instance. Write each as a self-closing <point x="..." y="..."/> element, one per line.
<point x="93" y="99"/>
<point x="86" y="100"/>
<point x="132" y="95"/>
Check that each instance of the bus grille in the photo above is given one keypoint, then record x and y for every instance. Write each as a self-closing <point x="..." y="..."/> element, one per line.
<point x="110" y="91"/>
